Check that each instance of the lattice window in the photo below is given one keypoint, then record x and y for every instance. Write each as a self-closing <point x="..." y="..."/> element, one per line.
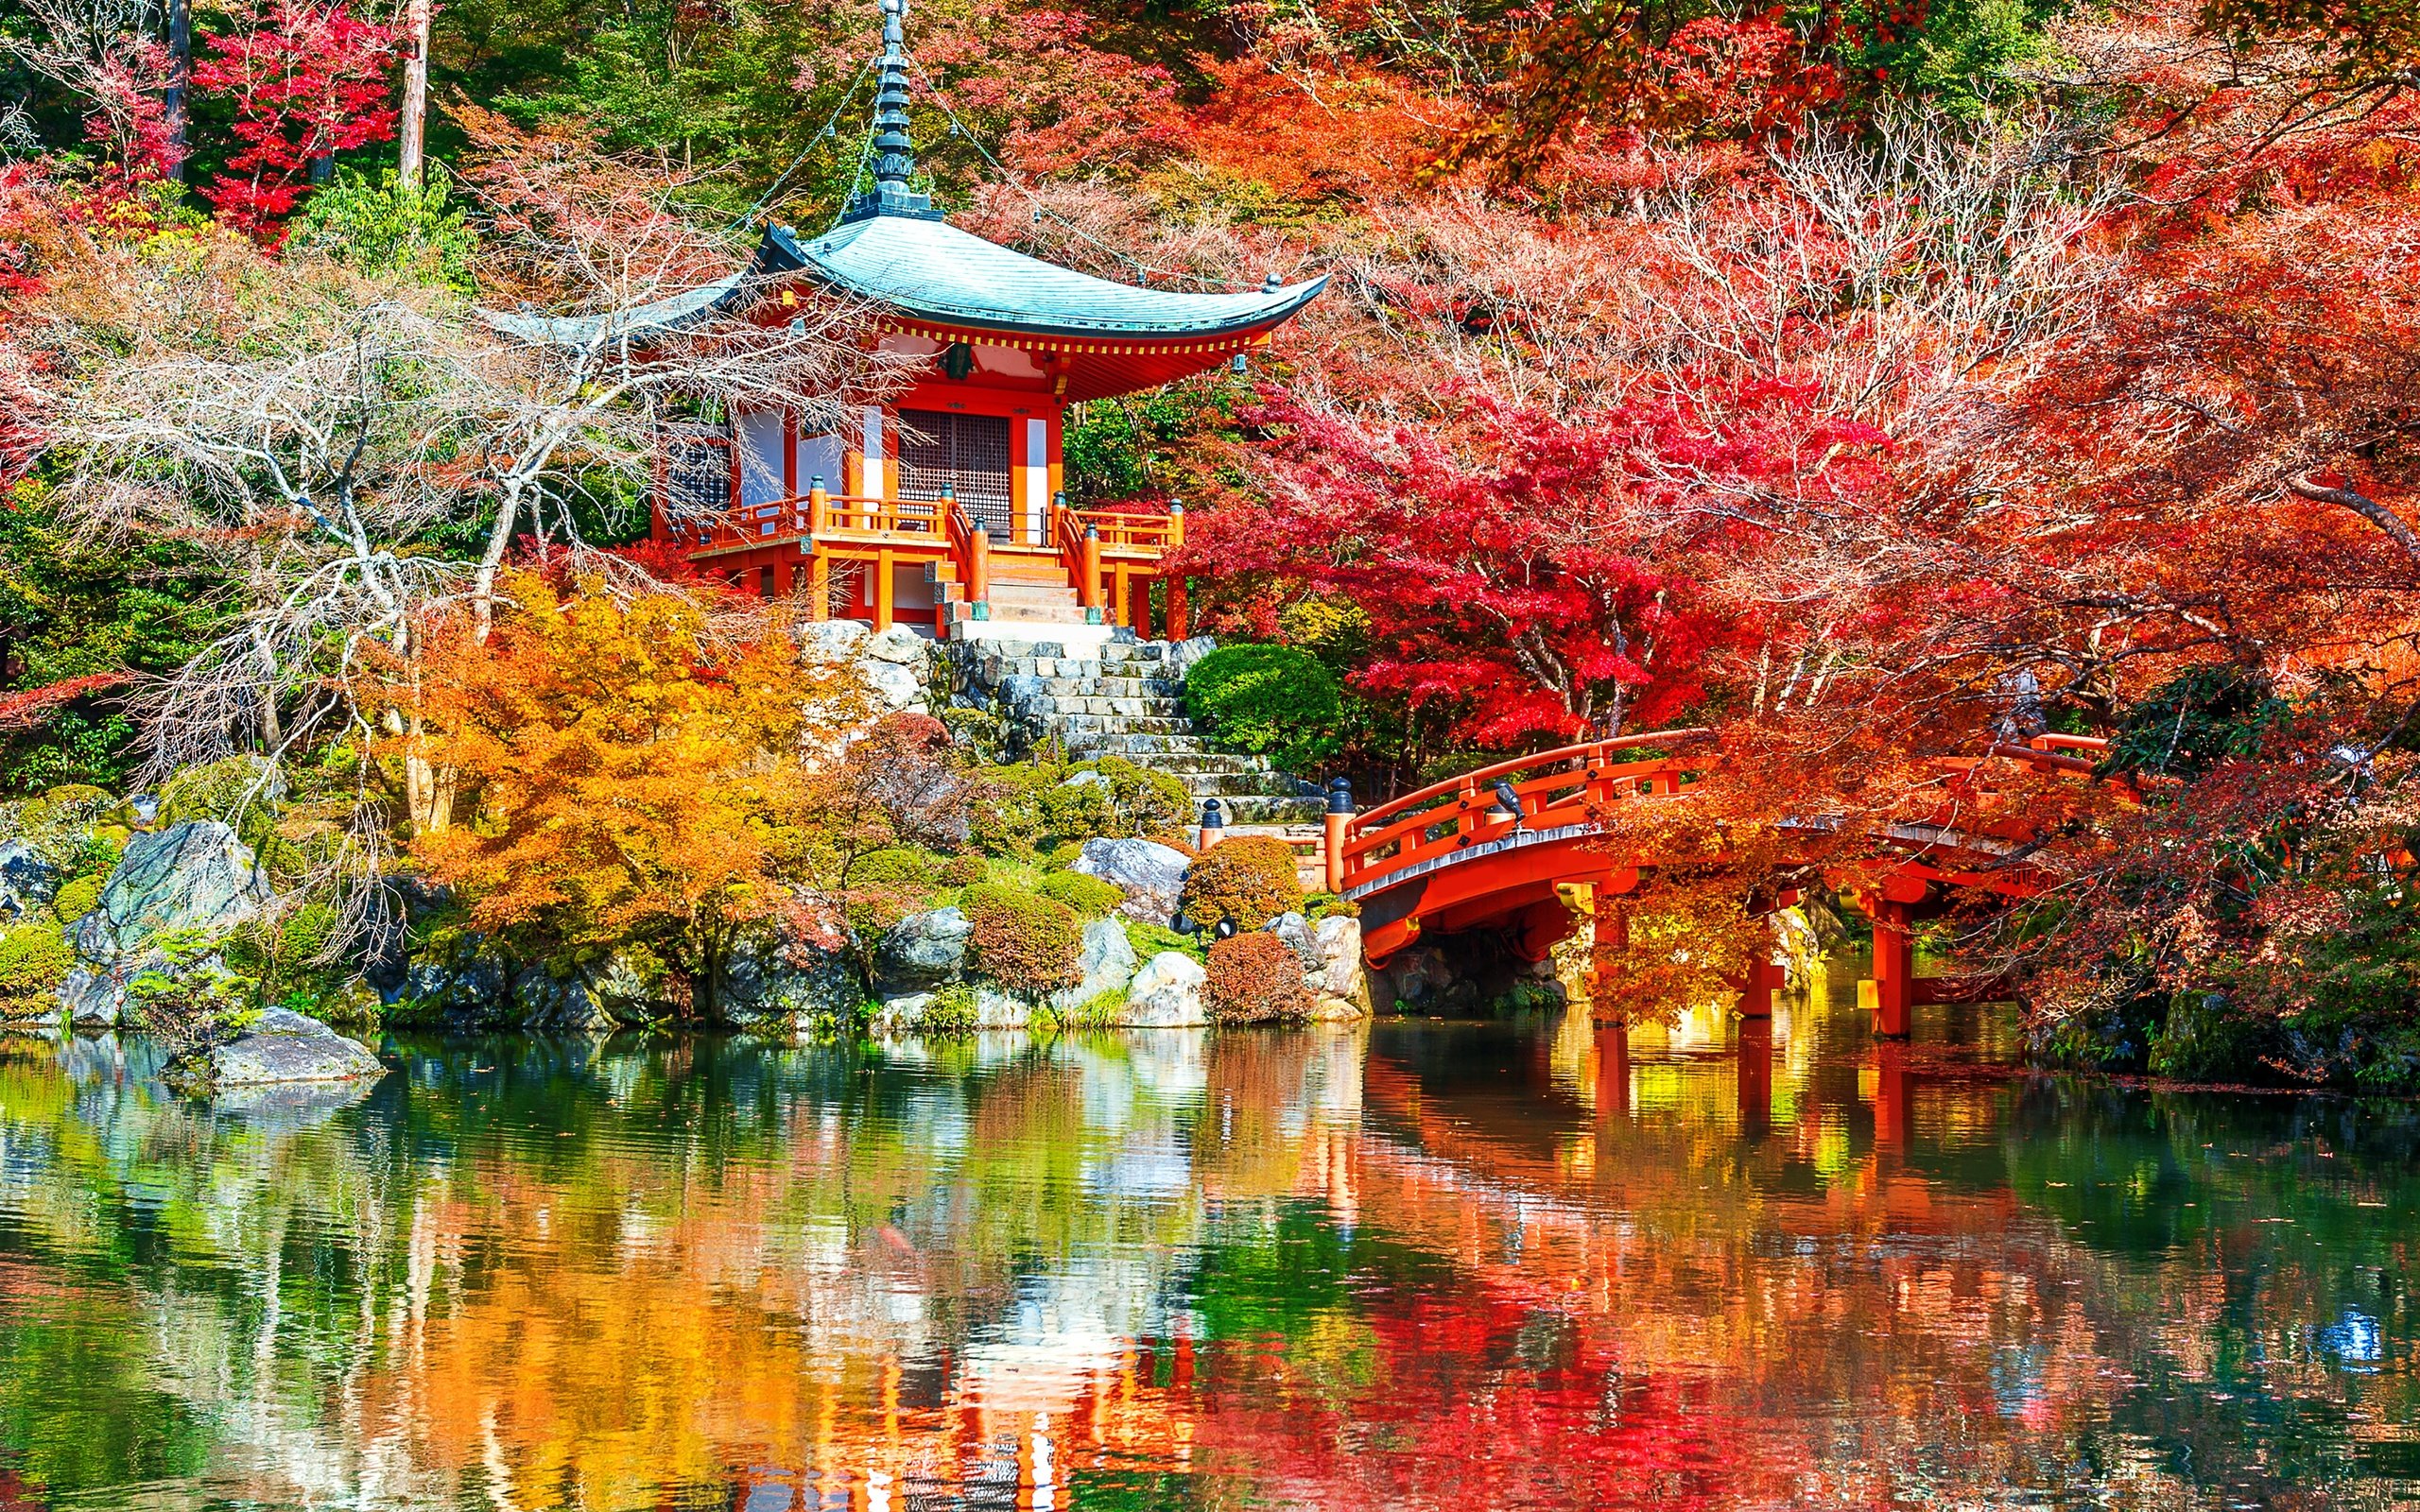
<point x="969" y="453"/>
<point x="696" y="477"/>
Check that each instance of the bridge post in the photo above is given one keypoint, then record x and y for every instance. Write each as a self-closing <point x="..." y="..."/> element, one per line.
<point x="1339" y="820"/>
<point x="1891" y="992"/>
<point x="1612" y="1072"/>
<point x="1765" y="978"/>
<point x="1610" y="935"/>
<point x="1755" y="1077"/>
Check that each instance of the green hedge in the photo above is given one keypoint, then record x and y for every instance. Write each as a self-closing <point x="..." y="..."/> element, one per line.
<point x="1270" y="700"/>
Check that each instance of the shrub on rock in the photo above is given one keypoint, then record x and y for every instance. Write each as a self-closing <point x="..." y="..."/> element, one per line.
<point x="1255" y="978"/>
<point x="1090" y="897"/>
<point x="34" y="959"/>
<point x="1250" y="879"/>
<point x="1023" y="940"/>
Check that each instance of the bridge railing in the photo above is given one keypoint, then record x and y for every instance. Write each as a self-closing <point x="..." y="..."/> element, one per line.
<point x="1555" y="788"/>
<point x="1567" y="787"/>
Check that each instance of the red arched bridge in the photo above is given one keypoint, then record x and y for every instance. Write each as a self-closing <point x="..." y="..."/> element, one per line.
<point x="1489" y="850"/>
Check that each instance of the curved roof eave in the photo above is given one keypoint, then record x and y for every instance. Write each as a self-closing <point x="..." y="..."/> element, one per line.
<point x="932" y="270"/>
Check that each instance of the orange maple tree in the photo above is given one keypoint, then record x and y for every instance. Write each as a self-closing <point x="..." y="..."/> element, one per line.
<point x="632" y="773"/>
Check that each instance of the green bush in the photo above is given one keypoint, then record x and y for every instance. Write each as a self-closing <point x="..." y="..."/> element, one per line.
<point x="387" y="226"/>
<point x="1090" y="897"/>
<point x="1253" y="978"/>
<point x="1032" y="811"/>
<point x="1023" y="940"/>
<point x="1270" y="700"/>
<point x="78" y="898"/>
<point x="884" y="886"/>
<point x="1249" y="879"/>
<point x="952" y="1011"/>
<point x="34" y="959"/>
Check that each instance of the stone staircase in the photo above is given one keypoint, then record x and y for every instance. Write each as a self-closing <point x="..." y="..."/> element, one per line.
<point x="1125" y="700"/>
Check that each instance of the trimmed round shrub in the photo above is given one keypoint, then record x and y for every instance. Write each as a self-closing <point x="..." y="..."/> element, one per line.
<point x="1270" y="700"/>
<point x="1090" y="897"/>
<point x="34" y="959"/>
<point x="1249" y="879"/>
<point x="1252" y="979"/>
<point x="1023" y="940"/>
<point x="885" y="886"/>
<point x="77" y="898"/>
<point x="965" y="870"/>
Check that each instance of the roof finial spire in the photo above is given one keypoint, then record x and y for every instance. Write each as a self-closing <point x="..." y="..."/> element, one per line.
<point x="894" y="153"/>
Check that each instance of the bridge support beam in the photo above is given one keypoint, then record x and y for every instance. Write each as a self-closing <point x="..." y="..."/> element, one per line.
<point x="1891" y="992"/>
<point x="1610" y="933"/>
<point x="1755" y="1077"/>
<point x="1765" y="977"/>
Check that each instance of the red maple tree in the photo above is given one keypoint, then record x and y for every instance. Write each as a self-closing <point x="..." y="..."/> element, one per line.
<point x="307" y="82"/>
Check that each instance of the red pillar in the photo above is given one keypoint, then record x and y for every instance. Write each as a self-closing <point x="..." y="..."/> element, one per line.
<point x="1179" y="625"/>
<point x="1612" y="1072"/>
<point x="1755" y="1077"/>
<point x="1891" y="1095"/>
<point x="1894" y="969"/>
<point x="1765" y="978"/>
<point x="1612" y="934"/>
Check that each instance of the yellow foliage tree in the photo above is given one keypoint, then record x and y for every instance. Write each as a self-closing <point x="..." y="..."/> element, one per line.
<point x="633" y="776"/>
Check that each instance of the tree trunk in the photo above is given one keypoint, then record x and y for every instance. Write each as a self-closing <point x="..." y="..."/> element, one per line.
<point x="413" y="128"/>
<point x="174" y="102"/>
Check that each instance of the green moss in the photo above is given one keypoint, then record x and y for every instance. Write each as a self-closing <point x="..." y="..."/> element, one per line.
<point x="1090" y="897"/>
<point x="77" y="898"/>
<point x="34" y="959"/>
<point x="952" y="1011"/>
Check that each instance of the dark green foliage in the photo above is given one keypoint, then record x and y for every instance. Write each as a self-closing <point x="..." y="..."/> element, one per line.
<point x="1023" y="940"/>
<point x="1113" y="445"/>
<point x="2185" y="728"/>
<point x="1270" y="700"/>
<point x="72" y="610"/>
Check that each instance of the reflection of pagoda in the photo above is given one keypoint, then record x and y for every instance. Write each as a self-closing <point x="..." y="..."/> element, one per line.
<point x="944" y="507"/>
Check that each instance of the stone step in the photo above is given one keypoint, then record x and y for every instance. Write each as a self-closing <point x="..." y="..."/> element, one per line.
<point x="1036" y="614"/>
<point x="1030" y="594"/>
<point x="1077" y="727"/>
<point x="1135" y="707"/>
<point x="1211" y="764"/>
<point x="1104" y="687"/>
<point x="1129" y="743"/>
<point x="1253" y="809"/>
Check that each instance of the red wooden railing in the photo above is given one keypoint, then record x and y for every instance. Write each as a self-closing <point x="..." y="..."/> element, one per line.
<point x="1562" y="787"/>
<point x="1566" y="788"/>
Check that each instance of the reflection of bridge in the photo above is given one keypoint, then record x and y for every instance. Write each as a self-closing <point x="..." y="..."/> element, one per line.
<point x="1490" y="849"/>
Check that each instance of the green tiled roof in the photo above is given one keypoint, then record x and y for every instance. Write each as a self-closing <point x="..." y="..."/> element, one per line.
<point x="932" y="270"/>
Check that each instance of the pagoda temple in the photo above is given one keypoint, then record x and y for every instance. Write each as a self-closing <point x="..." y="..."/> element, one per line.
<point x="944" y="506"/>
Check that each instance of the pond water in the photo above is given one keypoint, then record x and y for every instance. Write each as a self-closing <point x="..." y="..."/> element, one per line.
<point x="1419" y="1264"/>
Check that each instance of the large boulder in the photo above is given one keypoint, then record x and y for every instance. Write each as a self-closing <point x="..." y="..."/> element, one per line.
<point x="468" y="985"/>
<point x="28" y="882"/>
<point x="546" y="1001"/>
<point x="789" y="986"/>
<point x="1107" y="961"/>
<point x="1167" y="993"/>
<point x="193" y="879"/>
<point x="1336" y="981"/>
<point x="281" y="1046"/>
<point x="922" y="951"/>
<point x="1151" y="874"/>
<point x="195" y="876"/>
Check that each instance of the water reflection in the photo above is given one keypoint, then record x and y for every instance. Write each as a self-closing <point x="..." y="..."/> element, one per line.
<point x="1528" y="1263"/>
